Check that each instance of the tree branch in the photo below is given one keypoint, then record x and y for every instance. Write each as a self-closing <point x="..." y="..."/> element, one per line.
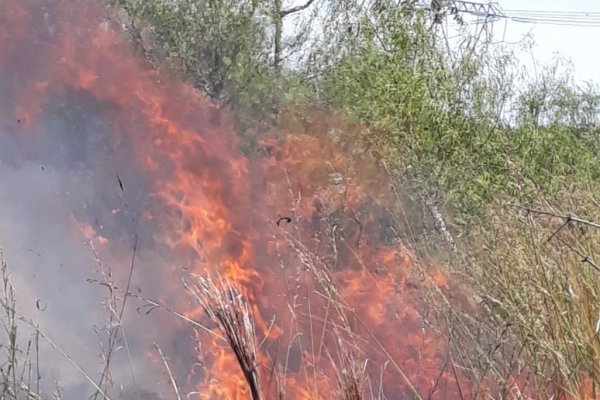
<point x="584" y="258"/>
<point x="568" y="218"/>
<point x="285" y="13"/>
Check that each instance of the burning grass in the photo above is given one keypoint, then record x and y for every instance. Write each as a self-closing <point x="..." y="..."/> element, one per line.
<point x="226" y="307"/>
<point x="351" y="374"/>
<point x="536" y="335"/>
<point x="319" y="293"/>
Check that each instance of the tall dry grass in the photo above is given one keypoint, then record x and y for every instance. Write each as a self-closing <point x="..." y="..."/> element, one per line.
<point x="534" y="333"/>
<point x="19" y="377"/>
<point x="536" y="271"/>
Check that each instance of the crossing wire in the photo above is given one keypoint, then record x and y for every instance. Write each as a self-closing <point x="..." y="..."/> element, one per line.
<point x="545" y="17"/>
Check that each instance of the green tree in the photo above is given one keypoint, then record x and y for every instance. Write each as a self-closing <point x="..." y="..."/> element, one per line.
<point x="219" y="44"/>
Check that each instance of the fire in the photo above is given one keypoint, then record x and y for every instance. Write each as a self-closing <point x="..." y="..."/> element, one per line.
<point x="300" y="231"/>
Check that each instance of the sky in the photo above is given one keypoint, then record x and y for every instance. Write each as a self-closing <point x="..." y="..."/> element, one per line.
<point x="578" y="44"/>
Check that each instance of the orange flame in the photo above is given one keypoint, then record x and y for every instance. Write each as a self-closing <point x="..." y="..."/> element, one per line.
<point x="301" y="231"/>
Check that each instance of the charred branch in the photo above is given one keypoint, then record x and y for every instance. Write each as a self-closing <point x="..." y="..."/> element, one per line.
<point x="302" y="7"/>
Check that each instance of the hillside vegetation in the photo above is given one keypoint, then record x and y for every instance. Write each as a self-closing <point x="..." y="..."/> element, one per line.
<point x="500" y="159"/>
<point x="503" y="167"/>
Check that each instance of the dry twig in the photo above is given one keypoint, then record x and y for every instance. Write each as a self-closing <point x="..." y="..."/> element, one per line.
<point x="168" y="369"/>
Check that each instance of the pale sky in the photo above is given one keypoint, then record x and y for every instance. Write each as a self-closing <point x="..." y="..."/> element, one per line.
<point x="579" y="44"/>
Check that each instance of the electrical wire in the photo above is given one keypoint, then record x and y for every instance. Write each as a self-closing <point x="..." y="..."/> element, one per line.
<point x="493" y="13"/>
<point x="558" y="18"/>
<point x="584" y="13"/>
<point x="556" y="21"/>
<point x="555" y="17"/>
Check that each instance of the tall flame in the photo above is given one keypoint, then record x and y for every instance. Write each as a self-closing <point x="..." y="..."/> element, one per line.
<point x="304" y="231"/>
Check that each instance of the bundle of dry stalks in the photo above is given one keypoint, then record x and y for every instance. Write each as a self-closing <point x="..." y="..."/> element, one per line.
<point x="226" y="307"/>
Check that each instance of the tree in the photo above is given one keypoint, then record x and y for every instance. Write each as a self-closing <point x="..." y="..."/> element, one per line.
<point x="219" y="44"/>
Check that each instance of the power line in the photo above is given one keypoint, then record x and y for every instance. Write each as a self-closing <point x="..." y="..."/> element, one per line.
<point x="491" y="12"/>
<point x="584" y="13"/>
<point x="555" y="16"/>
<point x="568" y="18"/>
<point x="582" y="24"/>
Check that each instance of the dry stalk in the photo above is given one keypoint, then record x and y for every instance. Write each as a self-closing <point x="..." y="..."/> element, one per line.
<point x="15" y="372"/>
<point x="568" y="217"/>
<point x="64" y="354"/>
<point x="226" y="307"/>
<point x="115" y="329"/>
<point x="169" y="372"/>
<point x="351" y="374"/>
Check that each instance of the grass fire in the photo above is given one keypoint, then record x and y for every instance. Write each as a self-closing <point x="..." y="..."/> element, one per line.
<point x="201" y="201"/>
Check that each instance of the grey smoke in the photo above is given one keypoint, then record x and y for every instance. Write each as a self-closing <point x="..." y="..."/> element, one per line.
<point x="42" y="195"/>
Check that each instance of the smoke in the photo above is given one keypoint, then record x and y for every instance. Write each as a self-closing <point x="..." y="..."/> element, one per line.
<point x="65" y="188"/>
<point x="47" y="192"/>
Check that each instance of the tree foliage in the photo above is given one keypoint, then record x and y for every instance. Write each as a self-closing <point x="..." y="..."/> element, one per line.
<point x="454" y="113"/>
<point x="221" y="45"/>
<point x="459" y="112"/>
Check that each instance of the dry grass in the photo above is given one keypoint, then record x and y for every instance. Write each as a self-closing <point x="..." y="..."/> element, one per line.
<point x="351" y="374"/>
<point x="17" y="370"/>
<point x="226" y="307"/>
<point x="20" y="370"/>
<point x="114" y="332"/>
<point x="540" y="286"/>
<point x="536" y="333"/>
<point x="534" y="279"/>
